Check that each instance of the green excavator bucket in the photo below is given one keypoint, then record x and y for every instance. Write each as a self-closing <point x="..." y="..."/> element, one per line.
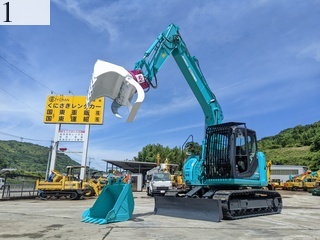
<point x="189" y="208"/>
<point x="114" y="204"/>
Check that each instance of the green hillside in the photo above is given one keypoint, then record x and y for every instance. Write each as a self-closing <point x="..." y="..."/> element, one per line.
<point x="30" y="158"/>
<point x="293" y="146"/>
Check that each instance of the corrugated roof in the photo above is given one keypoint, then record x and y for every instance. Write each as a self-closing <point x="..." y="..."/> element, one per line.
<point x="132" y="166"/>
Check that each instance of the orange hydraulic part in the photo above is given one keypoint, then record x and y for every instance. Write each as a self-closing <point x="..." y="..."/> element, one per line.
<point x="126" y="178"/>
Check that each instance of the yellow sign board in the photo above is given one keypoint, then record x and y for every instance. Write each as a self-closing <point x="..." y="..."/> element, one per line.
<point x="72" y="110"/>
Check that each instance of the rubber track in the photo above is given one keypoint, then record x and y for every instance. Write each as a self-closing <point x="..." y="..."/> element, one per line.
<point x="58" y="194"/>
<point x="251" y="195"/>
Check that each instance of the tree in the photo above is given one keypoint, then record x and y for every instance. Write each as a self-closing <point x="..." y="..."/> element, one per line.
<point x="193" y="148"/>
<point x="315" y="145"/>
<point x="149" y="154"/>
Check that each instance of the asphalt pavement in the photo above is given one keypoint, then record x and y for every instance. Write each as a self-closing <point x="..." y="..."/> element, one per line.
<point x="61" y="219"/>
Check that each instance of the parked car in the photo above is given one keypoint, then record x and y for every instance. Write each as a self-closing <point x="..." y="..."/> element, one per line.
<point x="316" y="190"/>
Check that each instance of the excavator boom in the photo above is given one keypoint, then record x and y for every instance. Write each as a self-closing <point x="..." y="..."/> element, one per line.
<point x="113" y="81"/>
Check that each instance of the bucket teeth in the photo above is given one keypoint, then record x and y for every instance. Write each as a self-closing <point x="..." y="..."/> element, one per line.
<point x="94" y="220"/>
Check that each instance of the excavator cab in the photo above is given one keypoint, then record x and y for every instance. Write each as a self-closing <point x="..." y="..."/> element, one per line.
<point x="231" y="153"/>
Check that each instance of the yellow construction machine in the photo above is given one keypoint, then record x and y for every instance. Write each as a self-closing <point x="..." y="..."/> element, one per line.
<point x="94" y="185"/>
<point x="272" y="184"/>
<point x="69" y="185"/>
<point x="303" y="181"/>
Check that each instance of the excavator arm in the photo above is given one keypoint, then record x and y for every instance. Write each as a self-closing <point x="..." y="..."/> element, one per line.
<point x="120" y="85"/>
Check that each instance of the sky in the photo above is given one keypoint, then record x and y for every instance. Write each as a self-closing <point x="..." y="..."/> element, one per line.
<point x="261" y="59"/>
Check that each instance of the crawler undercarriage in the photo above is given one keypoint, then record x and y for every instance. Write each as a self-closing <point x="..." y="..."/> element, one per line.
<point x="218" y="205"/>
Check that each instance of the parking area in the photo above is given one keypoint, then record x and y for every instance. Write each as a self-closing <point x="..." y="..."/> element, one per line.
<point x="61" y="219"/>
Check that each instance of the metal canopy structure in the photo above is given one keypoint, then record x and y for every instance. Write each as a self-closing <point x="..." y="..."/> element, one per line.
<point x="132" y="166"/>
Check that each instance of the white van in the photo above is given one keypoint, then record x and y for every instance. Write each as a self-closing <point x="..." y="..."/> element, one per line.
<point x="158" y="183"/>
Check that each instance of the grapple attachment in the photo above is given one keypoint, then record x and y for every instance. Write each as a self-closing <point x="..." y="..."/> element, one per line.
<point x="115" y="82"/>
<point x="189" y="208"/>
<point x="114" y="204"/>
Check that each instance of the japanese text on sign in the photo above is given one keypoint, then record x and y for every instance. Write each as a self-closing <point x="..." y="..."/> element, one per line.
<point x="71" y="135"/>
<point x="72" y="110"/>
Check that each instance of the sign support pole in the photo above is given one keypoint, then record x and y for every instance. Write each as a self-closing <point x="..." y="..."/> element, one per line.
<point x="84" y="151"/>
<point x="55" y="147"/>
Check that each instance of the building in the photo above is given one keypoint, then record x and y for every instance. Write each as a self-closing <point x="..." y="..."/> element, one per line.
<point x="138" y="169"/>
<point x="282" y="173"/>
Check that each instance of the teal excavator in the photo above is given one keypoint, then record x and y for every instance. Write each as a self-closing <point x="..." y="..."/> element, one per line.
<point x="228" y="179"/>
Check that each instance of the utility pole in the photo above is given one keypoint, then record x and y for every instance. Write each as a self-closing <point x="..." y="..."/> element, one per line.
<point x="90" y="159"/>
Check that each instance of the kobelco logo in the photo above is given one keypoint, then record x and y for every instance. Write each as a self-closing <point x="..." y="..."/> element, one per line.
<point x="52" y="99"/>
<point x="58" y="99"/>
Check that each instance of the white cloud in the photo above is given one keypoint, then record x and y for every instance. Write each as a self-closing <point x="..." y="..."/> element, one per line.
<point x="98" y="18"/>
<point x="311" y="50"/>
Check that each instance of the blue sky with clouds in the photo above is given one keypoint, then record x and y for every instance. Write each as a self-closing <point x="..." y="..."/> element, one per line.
<point x="261" y="58"/>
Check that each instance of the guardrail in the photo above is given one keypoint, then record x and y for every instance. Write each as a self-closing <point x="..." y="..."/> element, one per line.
<point x="18" y="186"/>
<point x="16" y="191"/>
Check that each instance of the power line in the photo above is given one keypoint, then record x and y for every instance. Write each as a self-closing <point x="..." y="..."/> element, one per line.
<point x="20" y="100"/>
<point x="23" y="138"/>
<point x="31" y="78"/>
<point x="18" y="69"/>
